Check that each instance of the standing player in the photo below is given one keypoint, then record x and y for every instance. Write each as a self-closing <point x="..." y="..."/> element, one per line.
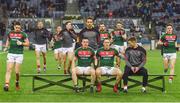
<point x="91" y="33"/>
<point x="119" y="36"/>
<point x="105" y="57"/>
<point x="104" y="34"/>
<point x="16" y="41"/>
<point x="68" y="37"/>
<point x="57" y="40"/>
<point x="84" y="56"/>
<point x="169" y="44"/>
<point x="135" y="57"/>
<point x="41" y="36"/>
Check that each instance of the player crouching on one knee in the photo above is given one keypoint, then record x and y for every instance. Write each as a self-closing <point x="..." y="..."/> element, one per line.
<point x="84" y="56"/>
<point x="105" y="57"/>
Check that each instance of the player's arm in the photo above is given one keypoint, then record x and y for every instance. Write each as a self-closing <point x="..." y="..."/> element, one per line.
<point x="7" y="45"/>
<point x="126" y="58"/>
<point x="160" y="42"/>
<point x="143" y="57"/>
<point x="111" y="37"/>
<point x="117" y="61"/>
<point x="74" y="62"/>
<point x="26" y="42"/>
<point x="124" y="36"/>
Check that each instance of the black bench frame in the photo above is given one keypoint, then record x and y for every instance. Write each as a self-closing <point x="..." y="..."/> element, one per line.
<point x="42" y="77"/>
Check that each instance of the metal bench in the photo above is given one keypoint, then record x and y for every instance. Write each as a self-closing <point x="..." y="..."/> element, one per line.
<point x="85" y="79"/>
<point x="155" y="77"/>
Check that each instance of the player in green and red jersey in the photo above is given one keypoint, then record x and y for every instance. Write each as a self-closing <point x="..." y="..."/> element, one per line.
<point x="103" y="34"/>
<point x="57" y="41"/>
<point x="84" y="56"/>
<point x="16" y="41"/>
<point x="169" y="44"/>
<point x="119" y="37"/>
<point x="106" y="65"/>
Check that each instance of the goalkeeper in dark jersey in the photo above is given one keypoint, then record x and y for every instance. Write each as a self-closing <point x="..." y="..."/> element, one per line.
<point x="168" y="41"/>
<point x="91" y="33"/>
<point x="69" y="37"/>
<point x="84" y="56"/>
<point x="41" y="36"/>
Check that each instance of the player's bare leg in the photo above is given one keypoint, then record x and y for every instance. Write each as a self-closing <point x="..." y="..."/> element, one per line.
<point x="172" y="65"/>
<point x="44" y="61"/>
<point x="8" y="75"/>
<point x="38" y="61"/>
<point x="17" y="71"/>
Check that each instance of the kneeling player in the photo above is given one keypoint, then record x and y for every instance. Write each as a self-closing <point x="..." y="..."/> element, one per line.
<point x="85" y="57"/>
<point x="105" y="56"/>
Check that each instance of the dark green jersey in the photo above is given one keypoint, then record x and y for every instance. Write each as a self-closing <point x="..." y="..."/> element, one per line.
<point x="117" y="37"/>
<point x="13" y="37"/>
<point x="103" y="35"/>
<point x="106" y="57"/>
<point x="57" y="41"/>
<point x="85" y="57"/>
<point x="169" y="43"/>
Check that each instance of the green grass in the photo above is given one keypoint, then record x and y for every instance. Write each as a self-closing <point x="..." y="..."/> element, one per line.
<point x="55" y="93"/>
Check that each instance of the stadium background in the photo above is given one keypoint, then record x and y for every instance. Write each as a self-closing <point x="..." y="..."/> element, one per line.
<point x="145" y="17"/>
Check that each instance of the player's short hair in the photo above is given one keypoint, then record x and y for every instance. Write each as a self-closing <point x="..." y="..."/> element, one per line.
<point x="17" y="23"/>
<point x="106" y="39"/>
<point x="101" y="24"/>
<point x="84" y="38"/>
<point x="91" y="18"/>
<point x="169" y="24"/>
<point x="132" y="39"/>
<point x="67" y="22"/>
<point x="119" y="22"/>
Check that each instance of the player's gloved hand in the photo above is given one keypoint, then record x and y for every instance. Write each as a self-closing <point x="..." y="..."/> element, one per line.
<point x="19" y="42"/>
<point x="165" y="43"/>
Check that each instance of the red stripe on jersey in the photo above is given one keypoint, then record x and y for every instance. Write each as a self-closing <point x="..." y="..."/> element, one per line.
<point x="104" y="35"/>
<point x="14" y="35"/>
<point x="173" y="37"/>
<point x="106" y="53"/>
<point x="84" y="53"/>
<point x="119" y="32"/>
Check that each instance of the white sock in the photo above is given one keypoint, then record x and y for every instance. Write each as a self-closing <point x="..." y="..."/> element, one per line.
<point x="125" y="87"/>
<point x="143" y="88"/>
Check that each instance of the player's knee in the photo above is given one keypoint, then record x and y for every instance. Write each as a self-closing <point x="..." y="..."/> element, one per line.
<point x="98" y="71"/>
<point x="93" y="72"/>
<point x="9" y="70"/>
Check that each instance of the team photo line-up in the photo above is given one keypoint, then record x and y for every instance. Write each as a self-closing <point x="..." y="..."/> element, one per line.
<point x="93" y="51"/>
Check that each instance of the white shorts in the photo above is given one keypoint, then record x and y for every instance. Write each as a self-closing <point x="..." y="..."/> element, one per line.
<point x="83" y="70"/>
<point x="169" y="55"/>
<point x="14" y="58"/>
<point x="65" y="50"/>
<point x="107" y="70"/>
<point x="58" y="50"/>
<point x="40" y="48"/>
<point x="120" y="49"/>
